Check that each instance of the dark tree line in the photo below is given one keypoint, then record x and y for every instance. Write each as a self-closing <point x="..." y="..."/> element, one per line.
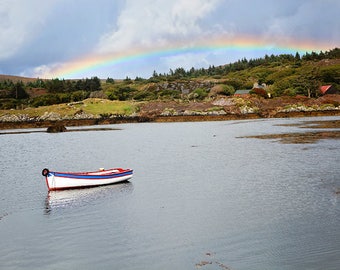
<point x="9" y="89"/>
<point x="244" y="63"/>
<point x="58" y="91"/>
<point x="54" y="85"/>
<point x="67" y="86"/>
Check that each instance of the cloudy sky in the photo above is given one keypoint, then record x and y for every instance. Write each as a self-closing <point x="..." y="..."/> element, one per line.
<point x="105" y="38"/>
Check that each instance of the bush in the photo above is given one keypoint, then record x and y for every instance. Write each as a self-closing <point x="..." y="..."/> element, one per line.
<point x="169" y="94"/>
<point x="282" y="85"/>
<point x="7" y="104"/>
<point x="330" y="74"/>
<point x="236" y="84"/>
<point x="121" y="93"/>
<point x="43" y="100"/>
<point x="222" y="89"/>
<point x="145" y="95"/>
<point x="260" y="92"/>
<point x="79" y="96"/>
<point x="199" y="94"/>
<point x="51" y="99"/>
<point x="229" y="90"/>
<point x="289" y="92"/>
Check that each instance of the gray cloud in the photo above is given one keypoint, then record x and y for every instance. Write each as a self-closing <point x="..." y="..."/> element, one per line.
<point x="17" y="26"/>
<point x="60" y="31"/>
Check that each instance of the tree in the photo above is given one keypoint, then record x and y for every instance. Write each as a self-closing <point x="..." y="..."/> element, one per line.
<point x="38" y="83"/>
<point x="308" y="84"/>
<point x="92" y="84"/>
<point x="18" y="91"/>
<point x="154" y="74"/>
<point x="330" y="75"/>
<point x="297" y="57"/>
<point x="127" y="80"/>
<point x="110" y="80"/>
<point x="80" y="85"/>
<point x="55" y="86"/>
<point x="139" y="79"/>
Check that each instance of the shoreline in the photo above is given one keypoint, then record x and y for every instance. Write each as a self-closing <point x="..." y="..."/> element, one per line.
<point x="160" y="119"/>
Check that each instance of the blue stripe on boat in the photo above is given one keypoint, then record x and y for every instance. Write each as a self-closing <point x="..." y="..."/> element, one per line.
<point x="85" y="176"/>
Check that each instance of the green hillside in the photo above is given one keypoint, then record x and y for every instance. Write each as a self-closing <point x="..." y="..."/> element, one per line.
<point x="276" y="75"/>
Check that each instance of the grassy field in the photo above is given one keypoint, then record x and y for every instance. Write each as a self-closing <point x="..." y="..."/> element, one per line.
<point x="104" y="106"/>
<point x="93" y="106"/>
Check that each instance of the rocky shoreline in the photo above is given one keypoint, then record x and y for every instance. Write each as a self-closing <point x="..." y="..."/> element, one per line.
<point x="218" y="109"/>
<point x="22" y="123"/>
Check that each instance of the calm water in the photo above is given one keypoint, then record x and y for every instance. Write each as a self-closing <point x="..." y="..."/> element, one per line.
<point x="200" y="198"/>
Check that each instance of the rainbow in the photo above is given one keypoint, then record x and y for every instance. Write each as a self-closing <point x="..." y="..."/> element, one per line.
<point x="94" y="62"/>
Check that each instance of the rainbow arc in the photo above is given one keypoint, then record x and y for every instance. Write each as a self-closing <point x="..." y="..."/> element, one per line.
<point x="95" y="62"/>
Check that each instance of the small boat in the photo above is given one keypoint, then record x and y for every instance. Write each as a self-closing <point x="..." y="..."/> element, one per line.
<point x="68" y="180"/>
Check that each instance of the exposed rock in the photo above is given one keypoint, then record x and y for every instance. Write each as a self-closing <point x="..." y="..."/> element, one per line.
<point x="83" y="115"/>
<point x="16" y="118"/>
<point x="56" y="128"/>
<point x="202" y="263"/>
<point x="303" y="108"/>
<point x="223" y="102"/>
<point x="247" y="109"/>
<point x="50" y="116"/>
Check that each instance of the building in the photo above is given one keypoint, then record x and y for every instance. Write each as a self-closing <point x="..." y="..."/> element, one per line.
<point x="242" y="92"/>
<point x="328" y="89"/>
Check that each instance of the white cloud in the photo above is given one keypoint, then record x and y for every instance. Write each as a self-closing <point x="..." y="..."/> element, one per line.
<point x="20" y="21"/>
<point x="150" y="23"/>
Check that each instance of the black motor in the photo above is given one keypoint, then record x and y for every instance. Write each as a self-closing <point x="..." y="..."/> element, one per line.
<point x="45" y="172"/>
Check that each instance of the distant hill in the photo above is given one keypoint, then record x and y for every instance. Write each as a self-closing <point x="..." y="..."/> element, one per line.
<point x="16" y="78"/>
<point x="271" y="75"/>
<point x="277" y="86"/>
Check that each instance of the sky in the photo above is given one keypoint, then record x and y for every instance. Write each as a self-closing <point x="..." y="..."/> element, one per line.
<point x="75" y="39"/>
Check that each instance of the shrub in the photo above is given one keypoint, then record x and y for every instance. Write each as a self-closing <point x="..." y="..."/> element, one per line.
<point x="121" y="93"/>
<point x="9" y="103"/>
<point x="51" y="99"/>
<point x="222" y="89"/>
<point x="289" y="92"/>
<point x="199" y="94"/>
<point x="169" y="94"/>
<point x="145" y="95"/>
<point x="260" y="92"/>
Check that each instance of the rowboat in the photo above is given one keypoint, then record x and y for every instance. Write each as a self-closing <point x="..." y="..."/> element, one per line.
<point x="68" y="180"/>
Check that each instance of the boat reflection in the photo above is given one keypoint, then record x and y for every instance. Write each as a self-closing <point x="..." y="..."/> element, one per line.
<point x="84" y="196"/>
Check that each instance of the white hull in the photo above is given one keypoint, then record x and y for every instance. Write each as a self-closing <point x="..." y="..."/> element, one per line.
<point x="57" y="181"/>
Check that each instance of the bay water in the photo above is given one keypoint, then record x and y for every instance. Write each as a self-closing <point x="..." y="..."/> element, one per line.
<point x="202" y="196"/>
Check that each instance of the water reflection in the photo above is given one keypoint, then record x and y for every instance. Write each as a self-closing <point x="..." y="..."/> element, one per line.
<point x="79" y="197"/>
